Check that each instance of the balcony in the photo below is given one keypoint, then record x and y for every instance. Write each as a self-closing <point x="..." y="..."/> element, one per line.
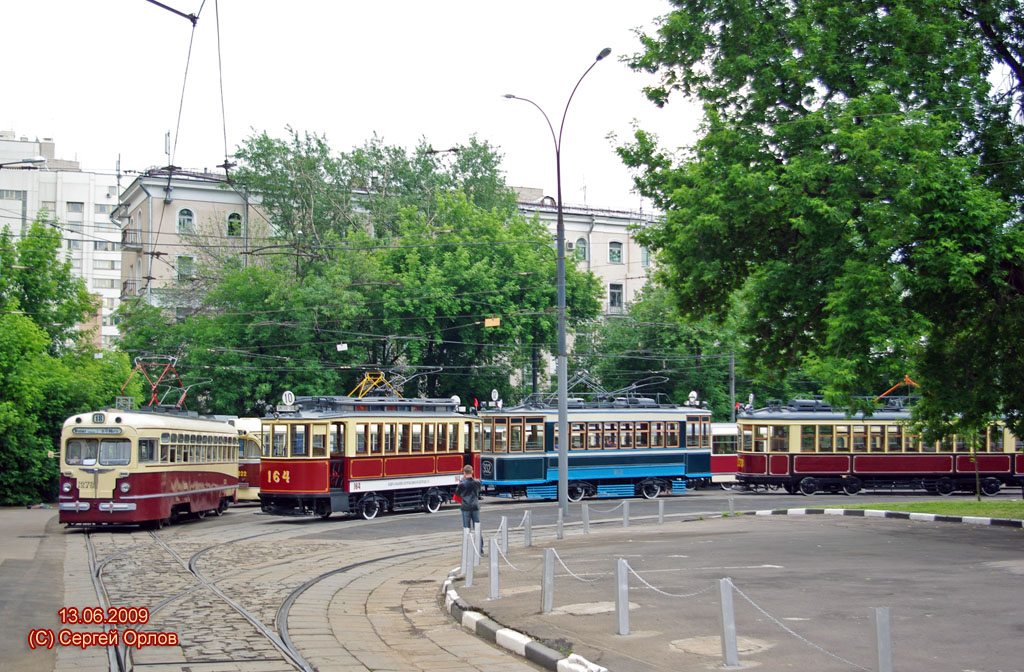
<point x="131" y="239"/>
<point x="129" y="288"/>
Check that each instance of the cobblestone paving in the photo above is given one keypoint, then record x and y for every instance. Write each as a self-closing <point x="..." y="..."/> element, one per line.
<point x="370" y="605"/>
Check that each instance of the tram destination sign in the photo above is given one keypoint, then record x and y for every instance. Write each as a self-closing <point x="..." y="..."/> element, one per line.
<point x="95" y="430"/>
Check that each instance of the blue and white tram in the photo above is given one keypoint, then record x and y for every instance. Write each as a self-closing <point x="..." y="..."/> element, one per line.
<point x="619" y="446"/>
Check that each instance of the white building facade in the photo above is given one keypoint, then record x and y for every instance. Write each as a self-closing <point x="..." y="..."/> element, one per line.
<point x="80" y="203"/>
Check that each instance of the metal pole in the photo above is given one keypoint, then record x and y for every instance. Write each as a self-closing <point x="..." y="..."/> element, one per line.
<point x="730" y="655"/>
<point x="661" y="511"/>
<point x="469" y="566"/>
<point x="504" y="535"/>
<point x="465" y="551"/>
<point x="586" y="518"/>
<point x="883" y="638"/>
<point x="477" y="544"/>
<point x="559" y="532"/>
<point x="527" y="532"/>
<point x="732" y="506"/>
<point x="622" y="596"/>
<point x="494" y="569"/>
<point x="547" y="584"/>
<point x="625" y="514"/>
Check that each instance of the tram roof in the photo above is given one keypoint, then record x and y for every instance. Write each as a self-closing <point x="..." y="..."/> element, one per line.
<point x="633" y="404"/>
<point x="155" y="417"/>
<point x="894" y="408"/>
<point x="338" y="406"/>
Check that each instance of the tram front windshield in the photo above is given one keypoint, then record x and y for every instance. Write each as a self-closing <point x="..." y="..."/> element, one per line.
<point x="109" y="452"/>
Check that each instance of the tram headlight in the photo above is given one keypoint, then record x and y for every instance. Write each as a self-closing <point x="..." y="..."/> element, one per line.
<point x="66" y="487"/>
<point x="126" y="486"/>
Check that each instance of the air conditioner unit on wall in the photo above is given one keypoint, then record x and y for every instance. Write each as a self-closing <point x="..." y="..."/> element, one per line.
<point x="569" y="246"/>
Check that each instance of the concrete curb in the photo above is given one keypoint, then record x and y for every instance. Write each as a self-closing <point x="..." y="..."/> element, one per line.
<point x="872" y="513"/>
<point x="509" y="639"/>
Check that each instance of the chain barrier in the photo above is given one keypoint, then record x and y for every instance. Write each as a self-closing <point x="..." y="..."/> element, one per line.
<point x="505" y="558"/>
<point x="658" y="590"/>
<point x="578" y="578"/>
<point x="607" y="510"/>
<point x="522" y="522"/>
<point x="800" y="637"/>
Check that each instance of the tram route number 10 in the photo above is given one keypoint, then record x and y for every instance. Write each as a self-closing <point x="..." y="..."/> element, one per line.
<point x="283" y="476"/>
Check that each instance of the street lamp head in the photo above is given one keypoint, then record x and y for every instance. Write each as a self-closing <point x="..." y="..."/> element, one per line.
<point x="31" y="161"/>
<point x="510" y="95"/>
<point x="604" y="52"/>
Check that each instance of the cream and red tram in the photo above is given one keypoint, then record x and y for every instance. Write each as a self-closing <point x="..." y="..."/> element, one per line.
<point x="806" y="446"/>
<point x="250" y="454"/>
<point x="150" y="465"/>
<point x="363" y="455"/>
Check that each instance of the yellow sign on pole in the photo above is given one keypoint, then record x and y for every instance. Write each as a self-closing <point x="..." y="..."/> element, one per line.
<point x="492" y="321"/>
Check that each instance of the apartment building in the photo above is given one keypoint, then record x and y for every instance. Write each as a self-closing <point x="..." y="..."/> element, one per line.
<point x="80" y="203"/>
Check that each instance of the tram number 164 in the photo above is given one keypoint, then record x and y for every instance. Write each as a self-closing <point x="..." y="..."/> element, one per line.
<point x="276" y="476"/>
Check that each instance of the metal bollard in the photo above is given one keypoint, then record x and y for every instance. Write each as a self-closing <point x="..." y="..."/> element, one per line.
<point x="465" y="551"/>
<point x="661" y="511"/>
<point x="494" y="569"/>
<point x="586" y="518"/>
<point x="527" y="532"/>
<point x="625" y="514"/>
<point x="547" y="583"/>
<point x="470" y="565"/>
<point x="504" y="535"/>
<point x="732" y="506"/>
<point x="559" y="532"/>
<point x="477" y="544"/>
<point x="883" y="638"/>
<point x="622" y="596"/>
<point x="730" y="654"/>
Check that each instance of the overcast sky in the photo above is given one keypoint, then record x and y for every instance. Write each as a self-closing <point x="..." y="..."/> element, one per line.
<point x="105" y="79"/>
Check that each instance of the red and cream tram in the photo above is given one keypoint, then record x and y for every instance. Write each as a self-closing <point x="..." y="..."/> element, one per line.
<point x="250" y="454"/>
<point x="724" y="440"/>
<point x="150" y="465"/>
<point x="806" y="446"/>
<point x="364" y="455"/>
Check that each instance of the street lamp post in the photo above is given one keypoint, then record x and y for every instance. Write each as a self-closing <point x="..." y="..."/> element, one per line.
<point x="30" y="163"/>
<point x="563" y="366"/>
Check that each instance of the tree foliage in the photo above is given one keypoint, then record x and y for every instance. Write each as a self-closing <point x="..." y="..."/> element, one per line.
<point x="858" y="182"/>
<point x="398" y="269"/>
<point x="48" y="369"/>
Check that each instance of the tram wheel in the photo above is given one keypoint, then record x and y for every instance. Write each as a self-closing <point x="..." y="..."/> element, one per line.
<point x="432" y="502"/>
<point x="369" y="508"/>
<point x="650" y="490"/>
<point x="808" y="486"/>
<point x="945" y="487"/>
<point x="851" y="486"/>
<point x="201" y="514"/>
<point x="322" y="510"/>
<point x="575" y="493"/>
<point x="990" y="486"/>
<point x="224" y="504"/>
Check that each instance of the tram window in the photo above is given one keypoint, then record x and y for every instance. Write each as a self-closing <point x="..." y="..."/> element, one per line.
<point x="705" y="432"/>
<point x="172" y="457"/>
<point x="515" y="439"/>
<point x="453" y="437"/>
<point x="280" y="441"/>
<point x="658" y="435"/>
<point x="442" y="437"/>
<point x="724" y="444"/>
<point x="893" y="438"/>
<point x="842" y="438"/>
<point x="825" y="444"/>
<point x="760" y="438"/>
<point x="266" y="442"/>
<point x="389" y="438"/>
<point x="417" y="437"/>
<point x="318" y="447"/>
<point x="594" y="436"/>
<point x="252" y="449"/>
<point x="428" y="437"/>
<point x="298" y="440"/>
<point x="692" y="428"/>
<point x="554" y="437"/>
<point x="487" y="444"/>
<point x="860" y="439"/>
<point x="115" y="452"/>
<point x="946" y="444"/>
<point x="403" y="438"/>
<point x="747" y="431"/>
<point x="807" y="438"/>
<point x="337" y="439"/>
<point x="1018" y="445"/>
<point x="780" y="439"/>
<point x="911" y="444"/>
<point x="361" y="432"/>
<point x="962" y="443"/>
<point x="625" y="434"/>
<point x="611" y="435"/>
<point x="500" y="435"/>
<point x="995" y="439"/>
<point x="165" y="452"/>
<point x="373" y="439"/>
<point x="671" y="434"/>
<point x="577" y="436"/>
<point x="643" y="432"/>
<point x="81" y="451"/>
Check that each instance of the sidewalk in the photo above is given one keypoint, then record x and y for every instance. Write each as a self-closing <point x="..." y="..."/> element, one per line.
<point x="806" y="586"/>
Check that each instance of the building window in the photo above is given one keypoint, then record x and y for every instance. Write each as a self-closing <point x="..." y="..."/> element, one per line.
<point x="186" y="221"/>
<point x="615" y="253"/>
<point x="615" y="298"/>
<point x="645" y="257"/>
<point x="106" y="264"/>
<point x="104" y="246"/>
<point x="74" y="244"/>
<point x="186" y="268"/>
<point x="234" y="225"/>
<point x="581" y="249"/>
<point x="103" y="209"/>
<point x="75" y="207"/>
<point x="106" y="283"/>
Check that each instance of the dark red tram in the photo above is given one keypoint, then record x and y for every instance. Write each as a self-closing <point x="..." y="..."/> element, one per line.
<point x="364" y="455"/>
<point x="805" y="446"/>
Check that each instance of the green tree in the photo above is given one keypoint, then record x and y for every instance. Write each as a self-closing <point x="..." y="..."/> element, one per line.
<point x="858" y="182"/>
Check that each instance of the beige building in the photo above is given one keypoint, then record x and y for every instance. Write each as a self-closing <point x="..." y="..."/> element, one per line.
<point x="174" y="225"/>
<point x="601" y="241"/>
